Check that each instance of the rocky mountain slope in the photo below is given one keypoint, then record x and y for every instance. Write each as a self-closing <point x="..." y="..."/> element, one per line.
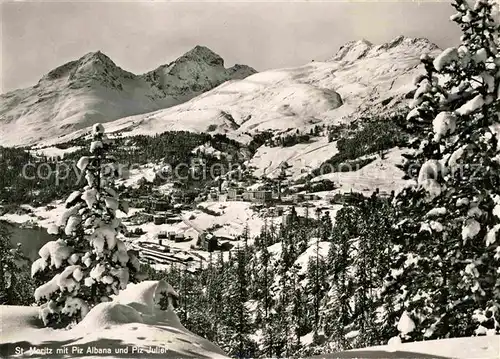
<point x="361" y="79"/>
<point x="94" y="89"/>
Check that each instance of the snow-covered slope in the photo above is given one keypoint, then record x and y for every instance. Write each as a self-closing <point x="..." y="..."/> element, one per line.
<point x="360" y="79"/>
<point x="381" y="173"/>
<point x="486" y="347"/>
<point x="132" y="326"/>
<point x="93" y="89"/>
<point x="300" y="159"/>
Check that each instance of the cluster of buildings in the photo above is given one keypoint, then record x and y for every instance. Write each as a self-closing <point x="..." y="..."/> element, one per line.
<point x="166" y="217"/>
<point x="156" y="204"/>
<point x="206" y="240"/>
<point x="258" y="196"/>
<point x="301" y="197"/>
<point x="172" y="236"/>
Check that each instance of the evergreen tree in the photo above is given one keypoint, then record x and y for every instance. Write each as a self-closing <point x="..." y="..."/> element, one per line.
<point x="88" y="263"/>
<point x="449" y="251"/>
<point x="297" y="311"/>
<point x="326" y="226"/>
<point x="317" y="286"/>
<point x="14" y="270"/>
<point x="336" y="309"/>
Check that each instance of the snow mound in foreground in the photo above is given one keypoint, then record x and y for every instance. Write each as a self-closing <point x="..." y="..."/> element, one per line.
<point x="145" y="295"/>
<point x="132" y="325"/>
<point x="109" y="314"/>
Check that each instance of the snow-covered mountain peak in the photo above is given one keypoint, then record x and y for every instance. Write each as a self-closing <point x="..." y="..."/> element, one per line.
<point x="239" y="72"/>
<point x="355" y="50"/>
<point x="198" y="70"/>
<point x="416" y="43"/>
<point x="99" y="67"/>
<point x="95" y="61"/>
<point x="96" y="57"/>
<point x="94" y="89"/>
<point x="352" y="50"/>
<point x="363" y="79"/>
<point x="202" y="53"/>
<point x="91" y="69"/>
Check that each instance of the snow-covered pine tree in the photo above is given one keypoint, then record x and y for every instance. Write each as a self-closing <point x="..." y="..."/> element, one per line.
<point x="246" y="347"/>
<point x="363" y="265"/>
<point x="425" y="106"/>
<point x="297" y="310"/>
<point x="318" y="288"/>
<point x="285" y="325"/>
<point x="13" y="269"/>
<point x="271" y="342"/>
<point x="380" y="236"/>
<point x="198" y="318"/>
<point x="235" y="336"/>
<point x="336" y="311"/>
<point x="265" y="296"/>
<point x="450" y="252"/>
<point x="89" y="263"/>
<point x="326" y="226"/>
<point x="375" y="315"/>
<point x="219" y="297"/>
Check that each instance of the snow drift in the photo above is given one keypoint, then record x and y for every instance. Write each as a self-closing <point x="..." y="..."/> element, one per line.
<point x="131" y="326"/>
<point x="485" y="347"/>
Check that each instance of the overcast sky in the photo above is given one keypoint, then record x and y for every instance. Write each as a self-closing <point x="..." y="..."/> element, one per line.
<point x="139" y="36"/>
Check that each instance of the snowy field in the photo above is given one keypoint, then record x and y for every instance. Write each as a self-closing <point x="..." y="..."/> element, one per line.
<point x="486" y="347"/>
<point x="381" y="173"/>
<point x="302" y="158"/>
<point x="131" y="326"/>
<point x="54" y="152"/>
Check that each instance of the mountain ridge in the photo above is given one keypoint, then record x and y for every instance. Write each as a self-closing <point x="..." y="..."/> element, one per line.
<point x="356" y="49"/>
<point x="197" y="93"/>
<point x="94" y="89"/>
<point x="374" y="81"/>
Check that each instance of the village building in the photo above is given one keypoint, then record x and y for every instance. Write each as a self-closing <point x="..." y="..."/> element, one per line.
<point x="235" y="194"/>
<point x="179" y="237"/>
<point x="159" y="205"/>
<point x="209" y="242"/>
<point x="173" y="219"/>
<point x="159" y="219"/>
<point x="258" y="196"/>
<point x="286" y="218"/>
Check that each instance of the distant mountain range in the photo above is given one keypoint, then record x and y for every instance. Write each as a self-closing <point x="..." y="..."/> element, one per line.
<point x="94" y="89"/>
<point x="196" y="93"/>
